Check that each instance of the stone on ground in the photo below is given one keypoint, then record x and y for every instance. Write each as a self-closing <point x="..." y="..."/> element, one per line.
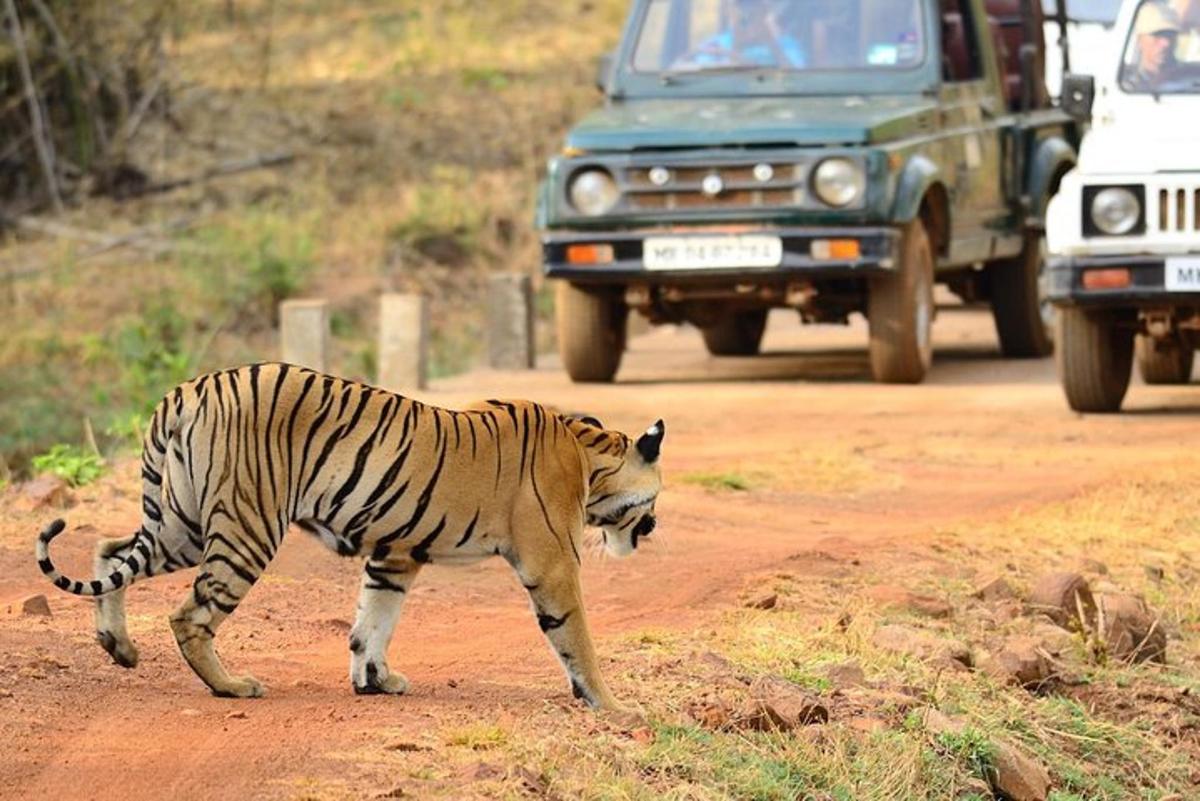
<point x="1061" y="597"/>
<point x="1132" y="630"/>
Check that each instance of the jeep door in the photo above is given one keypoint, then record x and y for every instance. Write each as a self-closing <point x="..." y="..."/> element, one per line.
<point x="971" y="116"/>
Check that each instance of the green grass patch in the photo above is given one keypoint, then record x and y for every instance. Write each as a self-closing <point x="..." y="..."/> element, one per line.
<point x="73" y="465"/>
<point x="727" y="481"/>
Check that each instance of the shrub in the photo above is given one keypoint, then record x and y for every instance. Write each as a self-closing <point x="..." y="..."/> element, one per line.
<point x="73" y="465"/>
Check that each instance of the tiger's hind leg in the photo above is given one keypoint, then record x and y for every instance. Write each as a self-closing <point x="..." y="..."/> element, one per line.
<point x="385" y="584"/>
<point x="226" y="575"/>
<point x="111" y="631"/>
<point x="170" y="550"/>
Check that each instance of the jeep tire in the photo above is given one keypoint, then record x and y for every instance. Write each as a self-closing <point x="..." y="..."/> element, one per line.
<point x="737" y="334"/>
<point x="1021" y="314"/>
<point x="900" y="312"/>
<point x="591" y="331"/>
<point x="1095" y="358"/>
<point x="1167" y="361"/>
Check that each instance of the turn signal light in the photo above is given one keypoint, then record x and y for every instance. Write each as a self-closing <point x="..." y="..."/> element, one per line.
<point x="1113" y="278"/>
<point x="589" y="254"/>
<point x="836" y="249"/>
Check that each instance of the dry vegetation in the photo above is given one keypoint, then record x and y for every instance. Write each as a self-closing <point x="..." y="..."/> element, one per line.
<point x="419" y="133"/>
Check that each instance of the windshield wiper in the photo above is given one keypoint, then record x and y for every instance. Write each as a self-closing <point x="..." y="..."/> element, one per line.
<point x="670" y="76"/>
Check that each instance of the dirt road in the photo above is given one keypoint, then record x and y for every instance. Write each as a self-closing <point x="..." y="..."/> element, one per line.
<point x="835" y="465"/>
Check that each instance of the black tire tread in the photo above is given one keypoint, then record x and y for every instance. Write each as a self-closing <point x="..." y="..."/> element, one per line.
<point x="1095" y="359"/>
<point x="896" y="356"/>
<point x="1013" y="284"/>
<point x="591" y="332"/>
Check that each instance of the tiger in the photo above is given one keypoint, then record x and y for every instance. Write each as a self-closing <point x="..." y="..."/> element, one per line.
<point x="231" y="459"/>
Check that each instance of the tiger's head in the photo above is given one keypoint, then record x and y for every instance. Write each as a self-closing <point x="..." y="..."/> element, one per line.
<point x="624" y="483"/>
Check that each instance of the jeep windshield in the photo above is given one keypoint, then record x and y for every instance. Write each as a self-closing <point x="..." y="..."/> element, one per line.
<point x="1162" y="53"/>
<point x="697" y="37"/>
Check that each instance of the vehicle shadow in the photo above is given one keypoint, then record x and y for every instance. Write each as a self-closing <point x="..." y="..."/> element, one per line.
<point x="952" y="366"/>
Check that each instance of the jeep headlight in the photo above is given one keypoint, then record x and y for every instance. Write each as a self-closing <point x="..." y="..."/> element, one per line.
<point x="593" y="192"/>
<point x="839" y="182"/>
<point x="1115" y="211"/>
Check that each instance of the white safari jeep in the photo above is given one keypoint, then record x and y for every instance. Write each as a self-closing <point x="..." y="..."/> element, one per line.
<point x="1124" y="229"/>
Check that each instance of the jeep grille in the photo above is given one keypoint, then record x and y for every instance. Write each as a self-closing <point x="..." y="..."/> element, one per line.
<point x="739" y="186"/>
<point x="1177" y="210"/>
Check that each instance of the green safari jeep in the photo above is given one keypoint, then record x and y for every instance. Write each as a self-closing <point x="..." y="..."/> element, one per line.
<point x="829" y="156"/>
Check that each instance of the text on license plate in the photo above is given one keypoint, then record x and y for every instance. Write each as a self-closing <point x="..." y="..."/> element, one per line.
<point x="1183" y="274"/>
<point x="711" y="252"/>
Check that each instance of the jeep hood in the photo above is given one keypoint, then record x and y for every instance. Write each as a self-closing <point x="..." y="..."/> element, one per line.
<point x="731" y="122"/>
<point x="1141" y="135"/>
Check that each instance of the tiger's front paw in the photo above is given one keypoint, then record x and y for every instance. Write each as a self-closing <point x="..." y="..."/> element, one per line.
<point x="244" y="687"/>
<point x="378" y="680"/>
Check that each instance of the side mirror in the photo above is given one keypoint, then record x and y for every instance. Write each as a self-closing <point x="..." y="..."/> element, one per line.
<point x="604" y="68"/>
<point x="1078" y="95"/>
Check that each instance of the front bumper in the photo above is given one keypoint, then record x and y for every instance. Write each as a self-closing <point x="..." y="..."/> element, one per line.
<point x="878" y="254"/>
<point x="1147" y="286"/>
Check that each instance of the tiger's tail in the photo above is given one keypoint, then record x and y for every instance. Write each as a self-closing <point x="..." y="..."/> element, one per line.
<point x="124" y="573"/>
<point x="162" y="428"/>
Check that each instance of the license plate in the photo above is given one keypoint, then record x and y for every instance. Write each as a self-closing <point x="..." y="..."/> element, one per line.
<point x="711" y="252"/>
<point x="1183" y="274"/>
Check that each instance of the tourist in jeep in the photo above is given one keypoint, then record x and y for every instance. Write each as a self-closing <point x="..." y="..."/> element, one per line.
<point x="754" y="39"/>
<point x="1157" y="30"/>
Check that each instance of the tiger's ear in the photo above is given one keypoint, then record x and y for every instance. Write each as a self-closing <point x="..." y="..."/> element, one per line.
<point x="650" y="444"/>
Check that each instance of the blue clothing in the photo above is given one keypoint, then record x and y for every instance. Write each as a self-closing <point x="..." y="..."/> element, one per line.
<point x="719" y="49"/>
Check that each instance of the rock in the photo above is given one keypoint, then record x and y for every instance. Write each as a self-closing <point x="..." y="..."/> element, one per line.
<point x="190" y="713"/>
<point x="5" y="693"/>
<point x="47" y="492"/>
<point x="882" y="701"/>
<point x="997" y="589"/>
<point x="1155" y="573"/>
<point x="1007" y="611"/>
<point x="1094" y="566"/>
<point x="921" y="644"/>
<point x="1052" y="639"/>
<point x="712" y="715"/>
<point x="1017" y="776"/>
<point x="1021" y="662"/>
<point x="846" y="674"/>
<point x="898" y="597"/>
<point x="868" y="725"/>
<point x="29" y="606"/>
<point x="1061" y="596"/>
<point x="1014" y="775"/>
<point x="766" y="601"/>
<point x="778" y="704"/>
<point x="238" y="715"/>
<point x="1132" y="630"/>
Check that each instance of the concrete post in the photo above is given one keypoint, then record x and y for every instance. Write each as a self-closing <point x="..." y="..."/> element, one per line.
<point x="304" y="333"/>
<point x="510" y="322"/>
<point x="403" y="342"/>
